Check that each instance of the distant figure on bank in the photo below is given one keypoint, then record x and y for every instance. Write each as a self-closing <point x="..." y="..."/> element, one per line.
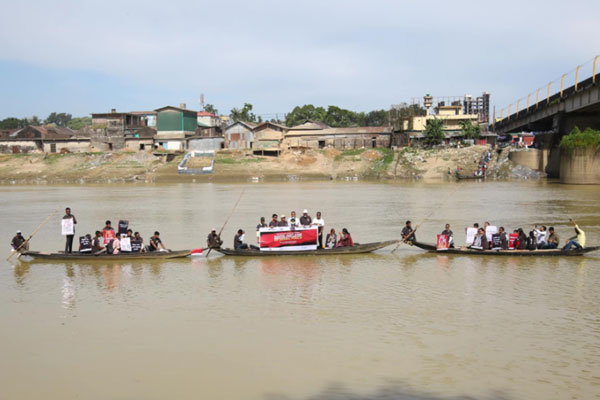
<point x="213" y="241"/>
<point x="331" y="240"/>
<point x="408" y="234"/>
<point x="553" y="240"/>
<point x="577" y="241"/>
<point x="274" y="223"/>
<point x="305" y="219"/>
<point x="69" y="243"/>
<point x="448" y="232"/>
<point x="155" y="243"/>
<point x="19" y="243"/>
<point x="345" y="239"/>
<point x="108" y="233"/>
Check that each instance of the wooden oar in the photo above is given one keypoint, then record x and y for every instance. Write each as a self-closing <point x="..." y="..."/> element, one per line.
<point x="30" y="236"/>
<point x="227" y="220"/>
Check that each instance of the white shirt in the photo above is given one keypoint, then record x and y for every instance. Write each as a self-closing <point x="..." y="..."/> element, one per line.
<point x="319" y="222"/>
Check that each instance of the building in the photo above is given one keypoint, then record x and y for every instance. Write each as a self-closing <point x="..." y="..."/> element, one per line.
<point x="208" y="119"/>
<point x="117" y="120"/>
<point x="174" y="125"/>
<point x="239" y="135"/>
<point x="49" y="139"/>
<point x="147" y="118"/>
<point x="339" y="138"/>
<point x="479" y="106"/>
<point x="309" y="125"/>
<point x="270" y="125"/>
<point x="267" y="142"/>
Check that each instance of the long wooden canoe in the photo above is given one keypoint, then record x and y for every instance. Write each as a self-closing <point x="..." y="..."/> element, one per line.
<point x="514" y="253"/>
<point x="151" y="255"/>
<point x="356" y="249"/>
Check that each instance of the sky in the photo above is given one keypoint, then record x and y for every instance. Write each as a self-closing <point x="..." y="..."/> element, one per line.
<point x="83" y="56"/>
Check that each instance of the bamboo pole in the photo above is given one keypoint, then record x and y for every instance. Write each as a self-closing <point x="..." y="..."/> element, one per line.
<point x="30" y="236"/>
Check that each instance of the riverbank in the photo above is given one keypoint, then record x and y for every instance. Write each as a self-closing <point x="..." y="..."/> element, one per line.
<point x="330" y="164"/>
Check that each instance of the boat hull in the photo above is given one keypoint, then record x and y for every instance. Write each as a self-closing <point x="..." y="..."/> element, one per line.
<point x="511" y="253"/>
<point x="357" y="249"/>
<point x="153" y="255"/>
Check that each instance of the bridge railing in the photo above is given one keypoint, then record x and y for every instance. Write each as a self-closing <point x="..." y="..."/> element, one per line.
<point x="551" y="93"/>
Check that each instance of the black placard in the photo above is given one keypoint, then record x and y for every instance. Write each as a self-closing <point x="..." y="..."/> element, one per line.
<point x="85" y="244"/>
<point x="136" y="246"/>
<point x="123" y="225"/>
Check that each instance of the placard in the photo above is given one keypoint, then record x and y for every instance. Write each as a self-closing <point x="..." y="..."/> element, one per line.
<point x="511" y="240"/>
<point x="442" y="242"/>
<point x="122" y="227"/>
<point x="489" y="231"/>
<point x="471" y="232"/>
<point x="496" y="241"/>
<point x="67" y="227"/>
<point x="136" y="245"/>
<point x="126" y="245"/>
<point x="108" y="235"/>
<point x="85" y="244"/>
<point x="286" y="239"/>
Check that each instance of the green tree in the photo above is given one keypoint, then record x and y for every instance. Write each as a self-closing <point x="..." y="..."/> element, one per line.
<point x="245" y="114"/>
<point x="434" y="133"/>
<point x="34" y="121"/>
<point x="211" y="109"/>
<point x="301" y="114"/>
<point x="11" y="123"/>
<point x="60" y="119"/>
<point x="469" y="129"/>
<point x="79" y="123"/>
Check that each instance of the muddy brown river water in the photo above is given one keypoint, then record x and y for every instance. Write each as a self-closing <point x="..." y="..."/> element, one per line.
<point x="405" y="325"/>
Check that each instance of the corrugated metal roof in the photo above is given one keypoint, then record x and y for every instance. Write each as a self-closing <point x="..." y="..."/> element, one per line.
<point x="310" y="125"/>
<point x="357" y="130"/>
<point x="268" y="134"/>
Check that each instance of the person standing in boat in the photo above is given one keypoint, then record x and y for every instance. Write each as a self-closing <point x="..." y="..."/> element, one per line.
<point x="345" y="239"/>
<point x="331" y="240"/>
<point x="155" y="243"/>
<point x="69" y="243"/>
<point x="448" y="232"/>
<point x="19" y="243"/>
<point x="553" y="239"/>
<point x="274" y="223"/>
<point x="262" y="224"/>
<point x="213" y="241"/>
<point x="294" y="221"/>
<point x="305" y="219"/>
<point x="408" y="234"/>
<point x="577" y="241"/>
<point x="320" y="224"/>
<point x="108" y="233"/>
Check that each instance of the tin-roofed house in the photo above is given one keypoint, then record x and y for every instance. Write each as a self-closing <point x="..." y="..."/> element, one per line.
<point x="48" y="139"/>
<point x="174" y="126"/>
<point x="239" y="135"/>
<point x="267" y="142"/>
<point x="339" y="138"/>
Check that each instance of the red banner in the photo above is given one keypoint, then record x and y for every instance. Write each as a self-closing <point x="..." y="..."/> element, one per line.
<point x="442" y="242"/>
<point x="511" y="240"/>
<point x="284" y="238"/>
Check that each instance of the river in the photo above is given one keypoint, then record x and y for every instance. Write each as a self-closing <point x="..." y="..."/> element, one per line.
<point x="387" y="325"/>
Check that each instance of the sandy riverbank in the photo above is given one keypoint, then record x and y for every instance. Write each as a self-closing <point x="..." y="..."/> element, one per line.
<point x="372" y="164"/>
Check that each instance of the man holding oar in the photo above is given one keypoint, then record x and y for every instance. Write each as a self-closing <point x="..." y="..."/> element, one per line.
<point x="19" y="243"/>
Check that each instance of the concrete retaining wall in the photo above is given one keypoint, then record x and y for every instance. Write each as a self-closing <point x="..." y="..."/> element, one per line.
<point x="581" y="167"/>
<point x="546" y="160"/>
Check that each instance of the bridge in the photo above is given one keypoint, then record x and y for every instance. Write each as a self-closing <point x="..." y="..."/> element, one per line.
<point x="576" y="105"/>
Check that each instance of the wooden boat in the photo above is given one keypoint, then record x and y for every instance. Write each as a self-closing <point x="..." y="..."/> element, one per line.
<point x="152" y="255"/>
<point x="356" y="249"/>
<point x="461" y="177"/>
<point x="513" y="253"/>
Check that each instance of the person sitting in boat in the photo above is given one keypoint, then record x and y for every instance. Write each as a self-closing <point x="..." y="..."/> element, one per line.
<point x="305" y="219"/>
<point x="155" y="243"/>
<point x="129" y="234"/>
<point x="345" y="239"/>
<point x="137" y="243"/>
<point x="213" y="241"/>
<point x="283" y="221"/>
<point x="521" y="241"/>
<point x="553" y="239"/>
<point x="577" y="241"/>
<point x="540" y="236"/>
<point x="294" y="221"/>
<point x="448" y="232"/>
<point x="108" y="233"/>
<point x="503" y="239"/>
<point x="19" y="243"/>
<point x="262" y="224"/>
<point x="238" y="240"/>
<point x="331" y="240"/>
<point x="274" y="223"/>
<point x="480" y="242"/>
<point x="408" y="234"/>
<point x="116" y="245"/>
<point x="97" y="242"/>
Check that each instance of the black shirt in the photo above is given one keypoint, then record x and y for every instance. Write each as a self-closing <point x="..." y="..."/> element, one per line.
<point x="305" y="220"/>
<point x="17" y="241"/>
<point x="237" y="241"/>
<point x="407" y="233"/>
<point x="154" y="241"/>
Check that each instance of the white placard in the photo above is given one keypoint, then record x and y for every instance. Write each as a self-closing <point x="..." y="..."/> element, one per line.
<point x="471" y="232"/>
<point x="67" y="226"/>
<point x="125" y="244"/>
<point x="489" y="231"/>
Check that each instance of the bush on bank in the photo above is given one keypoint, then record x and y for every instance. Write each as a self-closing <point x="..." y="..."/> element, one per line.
<point x="577" y="139"/>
